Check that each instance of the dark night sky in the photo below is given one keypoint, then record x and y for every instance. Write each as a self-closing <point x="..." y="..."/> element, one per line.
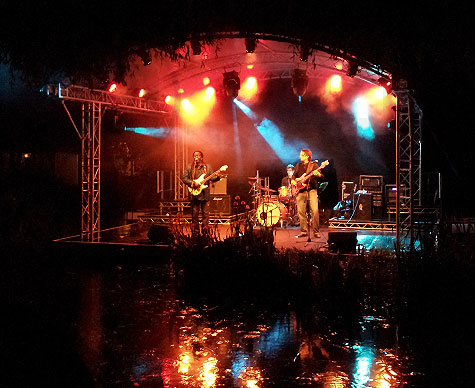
<point x="432" y="46"/>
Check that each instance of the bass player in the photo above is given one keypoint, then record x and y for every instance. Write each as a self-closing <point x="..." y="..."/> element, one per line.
<point x="304" y="185"/>
<point x="195" y="177"/>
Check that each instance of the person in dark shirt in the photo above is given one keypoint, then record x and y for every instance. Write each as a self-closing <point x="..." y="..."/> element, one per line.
<point x="194" y="177"/>
<point x="306" y="192"/>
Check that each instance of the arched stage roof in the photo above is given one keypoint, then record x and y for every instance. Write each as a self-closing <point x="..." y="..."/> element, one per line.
<point x="274" y="57"/>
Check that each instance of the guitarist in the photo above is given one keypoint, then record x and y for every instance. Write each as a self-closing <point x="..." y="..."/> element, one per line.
<point x="307" y="194"/>
<point x="200" y="202"/>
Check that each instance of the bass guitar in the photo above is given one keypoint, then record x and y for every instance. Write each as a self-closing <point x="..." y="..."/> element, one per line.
<point x="199" y="183"/>
<point x="301" y="182"/>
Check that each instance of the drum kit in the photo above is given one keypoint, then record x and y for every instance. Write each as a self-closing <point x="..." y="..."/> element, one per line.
<point x="273" y="206"/>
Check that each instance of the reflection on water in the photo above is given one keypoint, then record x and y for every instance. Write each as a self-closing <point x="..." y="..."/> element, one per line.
<point x="150" y="336"/>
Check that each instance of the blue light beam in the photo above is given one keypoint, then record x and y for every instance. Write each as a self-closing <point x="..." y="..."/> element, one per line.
<point x="286" y="151"/>
<point x="153" y="132"/>
<point x="361" y="114"/>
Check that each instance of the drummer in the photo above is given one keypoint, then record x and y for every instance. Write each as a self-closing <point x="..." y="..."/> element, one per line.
<point x="286" y="180"/>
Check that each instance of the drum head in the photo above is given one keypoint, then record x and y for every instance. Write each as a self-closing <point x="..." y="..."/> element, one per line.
<point x="284" y="191"/>
<point x="268" y="214"/>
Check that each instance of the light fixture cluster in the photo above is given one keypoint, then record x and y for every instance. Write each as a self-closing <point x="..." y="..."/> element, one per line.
<point x="231" y="83"/>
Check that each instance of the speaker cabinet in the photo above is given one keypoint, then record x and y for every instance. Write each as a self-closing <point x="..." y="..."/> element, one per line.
<point x="363" y="207"/>
<point x="347" y="190"/>
<point x="220" y="204"/>
<point x="160" y="234"/>
<point x="342" y="242"/>
<point x="219" y="187"/>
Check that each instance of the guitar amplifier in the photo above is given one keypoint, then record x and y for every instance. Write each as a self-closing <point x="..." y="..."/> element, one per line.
<point x="363" y="207"/>
<point x="220" y="204"/>
<point x="219" y="187"/>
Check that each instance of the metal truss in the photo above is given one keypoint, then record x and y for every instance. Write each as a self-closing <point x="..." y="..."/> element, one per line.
<point x="180" y="162"/>
<point x="277" y="65"/>
<point x="94" y="104"/>
<point x="344" y="224"/>
<point x="105" y="98"/>
<point x="408" y="166"/>
<point x="180" y="219"/>
<point x="90" y="171"/>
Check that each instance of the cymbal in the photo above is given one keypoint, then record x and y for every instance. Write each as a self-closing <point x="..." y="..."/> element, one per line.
<point x="266" y="189"/>
<point x="255" y="177"/>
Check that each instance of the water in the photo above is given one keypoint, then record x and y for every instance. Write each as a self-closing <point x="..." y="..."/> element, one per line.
<point x="134" y="328"/>
<point x="141" y="325"/>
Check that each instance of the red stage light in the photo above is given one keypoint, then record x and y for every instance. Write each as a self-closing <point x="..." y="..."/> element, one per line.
<point x="335" y="83"/>
<point x="112" y="87"/>
<point x="142" y="92"/>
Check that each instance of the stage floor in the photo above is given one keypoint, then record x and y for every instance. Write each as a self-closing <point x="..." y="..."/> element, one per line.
<point x="284" y="237"/>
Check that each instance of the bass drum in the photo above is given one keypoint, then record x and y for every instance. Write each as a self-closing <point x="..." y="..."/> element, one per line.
<point x="270" y="213"/>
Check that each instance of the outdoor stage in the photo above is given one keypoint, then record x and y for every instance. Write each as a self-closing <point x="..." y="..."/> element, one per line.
<point x="334" y="235"/>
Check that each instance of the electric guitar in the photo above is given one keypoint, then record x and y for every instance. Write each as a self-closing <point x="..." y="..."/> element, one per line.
<point x="199" y="183"/>
<point x="300" y="183"/>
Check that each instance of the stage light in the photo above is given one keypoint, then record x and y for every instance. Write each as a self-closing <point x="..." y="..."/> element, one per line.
<point x="251" y="44"/>
<point x="209" y="93"/>
<point x="335" y="83"/>
<point x="380" y="93"/>
<point x="392" y="124"/>
<point x="169" y="100"/>
<point x="339" y="66"/>
<point x="352" y="69"/>
<point x="386" y="84"/>
<point x="299" y="82"/>
<point x="142" y="93"/>
<point x="251" y="66"/>
<point x="206" y="81"/>
<point x="251" y="83"/>
<point x="112" y="87"/>
<point x="231" y="83"/>
<point x="188" y="106"/>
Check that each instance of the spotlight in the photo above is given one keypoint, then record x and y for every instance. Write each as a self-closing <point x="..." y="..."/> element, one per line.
<point x="352" y="69"/>
<point x="196" y="47"/>
<point x="251" y="44"/>
<point x="112" y="87"/>
<point x="299" y="82"/>
<point x="231" y="83"/>
<point x="386" y="84"/>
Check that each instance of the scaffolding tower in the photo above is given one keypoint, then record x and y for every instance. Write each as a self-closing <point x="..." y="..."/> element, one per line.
<point x="411" y="213"/>
<point x="94" y="104"/>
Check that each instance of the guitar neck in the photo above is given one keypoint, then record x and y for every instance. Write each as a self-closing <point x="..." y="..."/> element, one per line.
<point x="209" y="177"/>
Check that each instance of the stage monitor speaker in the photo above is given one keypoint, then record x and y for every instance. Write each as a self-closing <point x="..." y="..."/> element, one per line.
<point x="220" y="204"/>
<point x="160" y="234"/>
<point x="363" y="207"/>
<point x="342" y="242"/>
<point x="219" y="187"/>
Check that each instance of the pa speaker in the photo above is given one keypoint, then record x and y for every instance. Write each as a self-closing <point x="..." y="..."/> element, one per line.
<point x="160" y="234"/>
<point x="220" y="204"/>
<point x="363" y="207"/>
<point x="342" y="242"/>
